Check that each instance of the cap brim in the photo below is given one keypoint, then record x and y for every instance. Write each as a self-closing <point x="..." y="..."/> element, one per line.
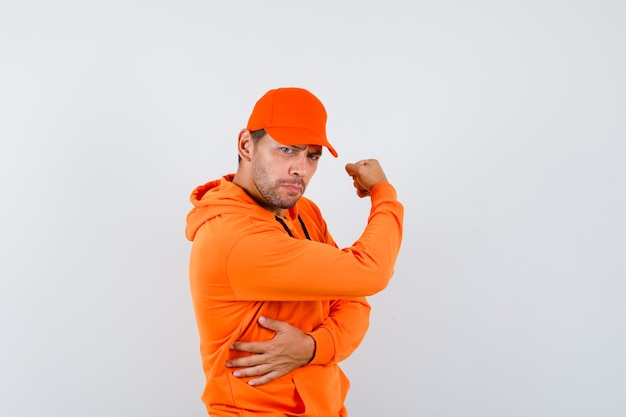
<point x="298" y="136"/>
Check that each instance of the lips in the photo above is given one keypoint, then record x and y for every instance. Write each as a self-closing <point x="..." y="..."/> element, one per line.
<point x="293" y="188"/>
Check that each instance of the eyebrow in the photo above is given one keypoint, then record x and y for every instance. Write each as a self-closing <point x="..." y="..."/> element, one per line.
<point x="303" y="147"/>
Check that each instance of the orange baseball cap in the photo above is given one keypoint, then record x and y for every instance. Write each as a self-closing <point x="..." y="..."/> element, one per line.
<point x="292" y="116"/>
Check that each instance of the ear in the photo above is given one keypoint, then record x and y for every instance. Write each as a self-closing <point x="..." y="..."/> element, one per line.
<point x="245" y="145"/>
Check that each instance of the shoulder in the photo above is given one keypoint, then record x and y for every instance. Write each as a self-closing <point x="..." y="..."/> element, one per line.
<point x="308" y="206"/>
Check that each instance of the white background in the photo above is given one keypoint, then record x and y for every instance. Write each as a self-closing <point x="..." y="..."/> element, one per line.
<point x="501" y="124"/>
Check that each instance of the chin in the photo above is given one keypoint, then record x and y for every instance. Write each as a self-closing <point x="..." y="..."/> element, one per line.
<point x="290" y="204"/>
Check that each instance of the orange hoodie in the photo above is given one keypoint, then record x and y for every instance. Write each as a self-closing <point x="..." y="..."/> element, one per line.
<point x="245" y="264"/>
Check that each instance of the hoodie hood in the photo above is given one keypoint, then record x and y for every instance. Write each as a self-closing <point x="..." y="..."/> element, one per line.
<point x="220" y="197"/>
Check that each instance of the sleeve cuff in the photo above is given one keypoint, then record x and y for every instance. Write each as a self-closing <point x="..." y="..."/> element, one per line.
<point x="383" y="190"/>
<point x="324" y="346"/>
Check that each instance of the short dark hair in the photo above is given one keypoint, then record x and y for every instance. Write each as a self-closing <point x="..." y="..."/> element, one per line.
<point x="256" y="136"/>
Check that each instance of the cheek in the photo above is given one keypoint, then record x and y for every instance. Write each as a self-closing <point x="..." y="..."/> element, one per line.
<point x="312" y="168"/>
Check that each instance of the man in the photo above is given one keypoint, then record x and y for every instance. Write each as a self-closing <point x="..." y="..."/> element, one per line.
<point x="277" y="304"/>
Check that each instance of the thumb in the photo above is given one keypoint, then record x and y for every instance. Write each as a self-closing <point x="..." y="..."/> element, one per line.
<point x="275" y="325"/>
<point x="352" y="169"/>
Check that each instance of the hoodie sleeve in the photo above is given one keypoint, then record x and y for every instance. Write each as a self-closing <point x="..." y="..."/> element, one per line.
<point x="264" y="263"/>
<point x="342" y="331"/>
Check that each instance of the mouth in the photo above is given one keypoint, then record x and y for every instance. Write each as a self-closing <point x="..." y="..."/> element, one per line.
<point x="293" y="188"/>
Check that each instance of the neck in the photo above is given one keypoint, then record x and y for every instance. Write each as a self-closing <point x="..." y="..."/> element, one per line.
<point x="246" y="183"/>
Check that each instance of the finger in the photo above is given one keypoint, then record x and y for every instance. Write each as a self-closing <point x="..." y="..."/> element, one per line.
<point x="259" y="370"/>
<point x="251" y="347"/>
<point x="361" y="192"/>
<point x="359" y="187"/>
<point x="269" y="377"/>
<point x="246" y="361"/>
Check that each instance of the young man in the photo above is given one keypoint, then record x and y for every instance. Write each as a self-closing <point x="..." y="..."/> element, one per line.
<point x="277" y="303"/>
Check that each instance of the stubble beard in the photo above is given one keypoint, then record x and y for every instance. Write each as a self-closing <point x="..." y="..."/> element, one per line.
<point x="269" y="189"/>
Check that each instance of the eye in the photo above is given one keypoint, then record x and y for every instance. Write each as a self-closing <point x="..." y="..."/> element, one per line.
<point x="314" y="156"/>
<point x="286" y="149"/>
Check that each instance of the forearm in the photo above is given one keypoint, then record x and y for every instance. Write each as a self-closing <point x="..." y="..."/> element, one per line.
<point x="342" y="331"/>
<point x="324" y="271"/>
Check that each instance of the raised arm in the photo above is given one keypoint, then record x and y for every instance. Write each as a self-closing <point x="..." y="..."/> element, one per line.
<point x="292" y="269"/>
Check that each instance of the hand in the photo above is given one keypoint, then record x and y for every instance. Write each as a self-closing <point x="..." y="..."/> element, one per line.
<point x="288" y="350"/>
<point x="366" y="173"/>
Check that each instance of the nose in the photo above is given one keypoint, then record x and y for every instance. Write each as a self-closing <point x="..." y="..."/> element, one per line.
<point x="298" y="165"/>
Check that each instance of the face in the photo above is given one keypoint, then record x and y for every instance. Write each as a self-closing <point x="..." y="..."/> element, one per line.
<point x="282" y="172"/>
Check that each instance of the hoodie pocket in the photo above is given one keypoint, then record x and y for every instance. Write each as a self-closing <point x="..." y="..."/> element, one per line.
<point x="322" y="389"/>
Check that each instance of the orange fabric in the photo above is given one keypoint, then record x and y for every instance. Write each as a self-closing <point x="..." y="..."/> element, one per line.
<point x="244" y="265"/>
<point x="292" y="116"/>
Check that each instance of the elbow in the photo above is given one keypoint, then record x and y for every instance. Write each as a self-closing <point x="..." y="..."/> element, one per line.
<point x="379" y="282"/>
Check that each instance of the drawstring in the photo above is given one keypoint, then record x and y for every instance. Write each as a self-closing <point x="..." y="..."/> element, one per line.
<point x="306" y="232"/>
